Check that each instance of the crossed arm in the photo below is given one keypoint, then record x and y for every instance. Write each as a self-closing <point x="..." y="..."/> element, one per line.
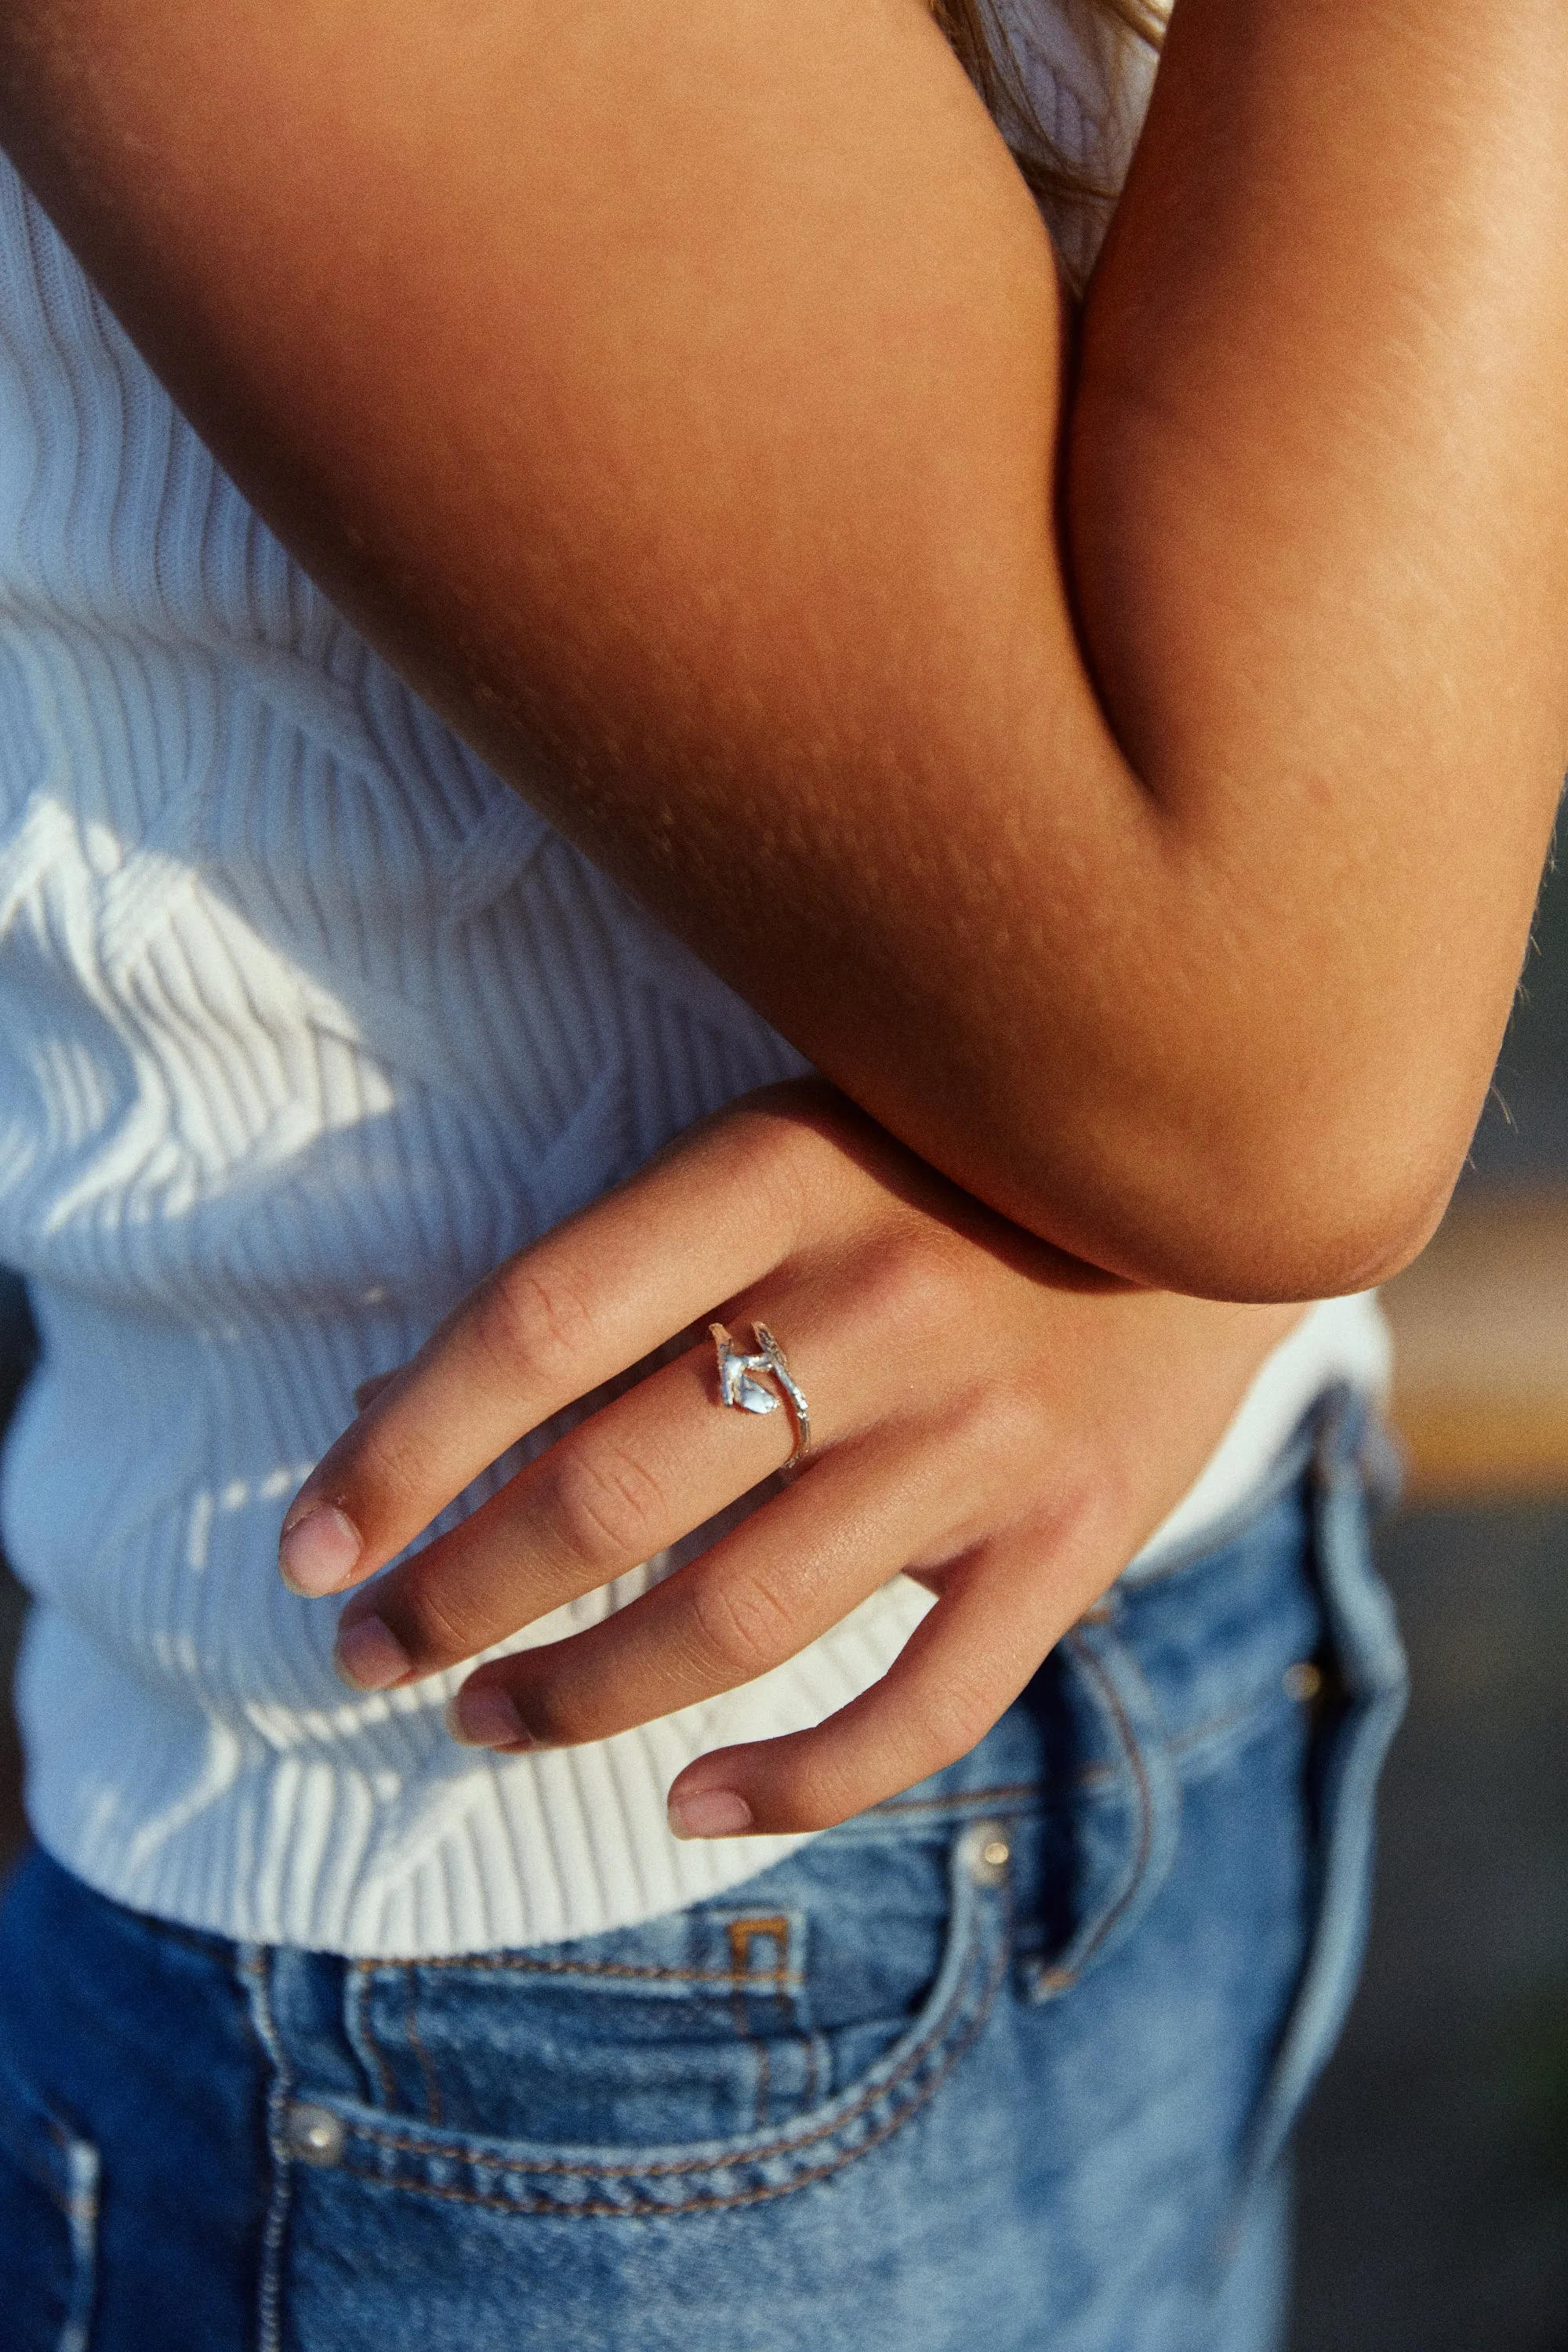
<point x="1124" y="768"/>
<point x="1130" y="784"/>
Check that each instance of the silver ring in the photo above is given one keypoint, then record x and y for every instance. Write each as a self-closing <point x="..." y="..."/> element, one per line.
<point x="739" y="1386"/>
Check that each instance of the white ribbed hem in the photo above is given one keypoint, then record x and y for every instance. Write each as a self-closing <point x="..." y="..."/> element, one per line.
<point x="411" y="1847"/>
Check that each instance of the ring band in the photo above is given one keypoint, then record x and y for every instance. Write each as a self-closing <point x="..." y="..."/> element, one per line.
<point x="737" y="1385"/>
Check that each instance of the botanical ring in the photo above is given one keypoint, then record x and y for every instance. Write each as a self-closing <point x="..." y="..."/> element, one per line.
<point x="738" y="1386"/>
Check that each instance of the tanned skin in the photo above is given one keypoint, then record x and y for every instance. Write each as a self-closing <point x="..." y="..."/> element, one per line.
<point x="1127" y="782"/>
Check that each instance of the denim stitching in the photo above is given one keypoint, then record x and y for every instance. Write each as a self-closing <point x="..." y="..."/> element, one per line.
<point x="1182" y="1743"/>
<point x="255" y="1969"/>
<point x="70" y="2182"/>
<point x="360" y="1973"/>
<point x="644" y="2207"/>
<point x="743" y="1934"/>
<point x="405" y="2144"/>
<point x="433" y="2108"/>
<point x="1092" y="1666"/>
<point x="522" y="1965"/>
<point x="83" y="2171"/>
<point x="987" y="1799"/>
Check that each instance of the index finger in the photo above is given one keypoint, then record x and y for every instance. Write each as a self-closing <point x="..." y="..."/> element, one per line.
<point x="604" y="1291"/>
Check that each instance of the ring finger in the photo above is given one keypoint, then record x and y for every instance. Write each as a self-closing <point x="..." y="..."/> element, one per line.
<point x="622" y="1486"/>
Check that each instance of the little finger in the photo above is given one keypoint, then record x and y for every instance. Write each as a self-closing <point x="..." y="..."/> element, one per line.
<point x="998" y="1615"/>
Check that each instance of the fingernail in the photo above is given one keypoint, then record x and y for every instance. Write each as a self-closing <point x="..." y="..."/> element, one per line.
<point x="370" y="1656"/>
<point x="319" y="1552"/>
<point x="709" y="1812"/>
<point x="482" y="1715"/>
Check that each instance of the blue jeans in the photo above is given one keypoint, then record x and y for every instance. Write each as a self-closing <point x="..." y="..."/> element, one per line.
<point x="1008" y="2063"/>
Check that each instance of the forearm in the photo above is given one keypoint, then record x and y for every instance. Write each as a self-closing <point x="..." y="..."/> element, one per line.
<point x="736" y="552"/>
<point x="1316" y="489"/>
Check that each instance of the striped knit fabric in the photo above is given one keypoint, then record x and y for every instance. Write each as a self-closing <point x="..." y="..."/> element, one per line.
<point x="305" y="1021"/>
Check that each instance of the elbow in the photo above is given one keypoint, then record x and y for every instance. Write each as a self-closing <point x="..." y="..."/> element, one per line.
<point x="1303" y="1239"/>
<point x="1278" y="1215"/>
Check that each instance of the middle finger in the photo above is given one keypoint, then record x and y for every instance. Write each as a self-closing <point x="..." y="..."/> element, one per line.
<point x="633" y="1478"/>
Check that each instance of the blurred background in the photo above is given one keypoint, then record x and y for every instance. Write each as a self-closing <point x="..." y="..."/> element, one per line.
<point x="1433" y="2164"/>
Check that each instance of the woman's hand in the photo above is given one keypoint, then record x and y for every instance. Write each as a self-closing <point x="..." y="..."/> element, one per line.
<point x="1004" y="1422"/>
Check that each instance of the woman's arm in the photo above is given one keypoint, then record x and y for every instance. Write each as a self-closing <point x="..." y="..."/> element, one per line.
<point x="675" y="394"/>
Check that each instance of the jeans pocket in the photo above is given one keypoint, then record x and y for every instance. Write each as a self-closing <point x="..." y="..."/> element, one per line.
<point x="49" y="2224"/>
<point x="898" y="2070"/>
<point x="1364" y="1697"/>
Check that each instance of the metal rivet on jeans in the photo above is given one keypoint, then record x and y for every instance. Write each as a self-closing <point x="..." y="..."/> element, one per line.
<point x="315" y="2134"/>
<point x="1303" y="1680"/>
<point x="986" y="1852"/>
<point x="1047" y="1982"/>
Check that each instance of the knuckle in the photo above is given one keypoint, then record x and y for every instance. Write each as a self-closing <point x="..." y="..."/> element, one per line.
<point x="390" y="1462"/>
<point x="558" y="1716"/>
<point x="607" y="1508"/>
<point x="1000" y="1423"/>
<point x="954" y="1716"/>
<point x="774" y="1165"/>
<point x="740" y="1626"/>
<point x="434" y="1625"/>
<point x="1068" y="1497"/>
<point x="529" y="1325"/>
<point x="905" y="1281"/>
